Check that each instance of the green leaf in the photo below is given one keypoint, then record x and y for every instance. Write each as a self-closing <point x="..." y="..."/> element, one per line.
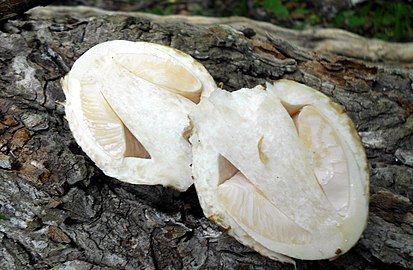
<point x="277" y="8"/>
<point x="342" y="17"/>
<point x="282" y="12"/>
<point x="155" y="10"/>
<point x="242" y="8"/>
<point x="314" y="19"/>
<point x="302" y="11"/>
<point x="271" y="4"/>
<point x="348" y="13"/>
<point x="388" y="19"/>
<point x="356" y="21"/>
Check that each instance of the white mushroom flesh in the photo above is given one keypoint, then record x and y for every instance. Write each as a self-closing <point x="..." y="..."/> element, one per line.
<point x="127" y="105"/>
<point x="283" y="170"/>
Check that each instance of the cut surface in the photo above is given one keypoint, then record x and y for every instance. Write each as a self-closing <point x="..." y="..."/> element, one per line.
<point x="127" y="104"/>
<point x="168" y="73"/>
<point x="328" y="157"/>
<point x="108" y="130"/>
<point x="249" y="207"/>
<point x="284" y="173"/>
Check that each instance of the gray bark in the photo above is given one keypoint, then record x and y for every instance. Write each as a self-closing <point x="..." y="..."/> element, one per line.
<point x="13" y="8"/>
<point x="59" y="211"/>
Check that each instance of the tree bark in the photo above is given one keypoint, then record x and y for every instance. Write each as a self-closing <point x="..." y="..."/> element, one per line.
<point x="57" y="210"/>
<point x="13" y="8"/>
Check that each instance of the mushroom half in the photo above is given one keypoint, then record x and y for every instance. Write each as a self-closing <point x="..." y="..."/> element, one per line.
<point x="282" y="169"/>
<point x="127" y="105"/>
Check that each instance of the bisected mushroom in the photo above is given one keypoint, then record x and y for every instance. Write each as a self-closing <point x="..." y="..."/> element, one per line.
<point x="127" y="105"/>
<point x="282" y="169"/>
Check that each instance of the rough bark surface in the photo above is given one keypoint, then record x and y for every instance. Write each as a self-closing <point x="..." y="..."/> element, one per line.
<point x="57" y="210"/>
<point x="13" y="8"/>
